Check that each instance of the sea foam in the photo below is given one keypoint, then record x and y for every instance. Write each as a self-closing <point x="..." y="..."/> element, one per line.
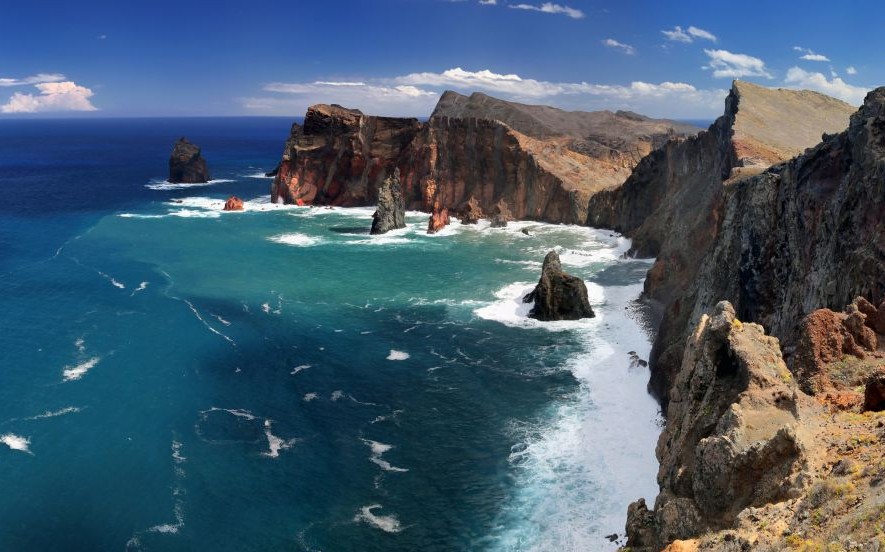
<point x="389" y="524"/>
<point x="72" y="373"/>
<point x="16" y="442"/>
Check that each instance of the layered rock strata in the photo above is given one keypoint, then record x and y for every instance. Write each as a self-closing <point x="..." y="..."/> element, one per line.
<point x="543" y="162"/>
<point x="674" y="205"/>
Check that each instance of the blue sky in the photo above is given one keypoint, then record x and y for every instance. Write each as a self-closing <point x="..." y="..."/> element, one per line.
<point x="394" y="57"/>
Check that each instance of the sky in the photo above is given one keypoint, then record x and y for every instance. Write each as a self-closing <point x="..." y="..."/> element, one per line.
<point x="152" y="58"/>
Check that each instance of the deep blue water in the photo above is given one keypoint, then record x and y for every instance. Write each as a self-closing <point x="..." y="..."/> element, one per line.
<point x="177" y="378"/>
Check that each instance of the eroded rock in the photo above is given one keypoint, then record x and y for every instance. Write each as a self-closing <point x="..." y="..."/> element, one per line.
<point x="233" y="203"/>
<point x="391" y="211"/>
<point x="186" y="164"/>
<point x="558" y="296"/>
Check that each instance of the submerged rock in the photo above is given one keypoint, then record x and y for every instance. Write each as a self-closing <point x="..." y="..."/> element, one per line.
<point x="391" y="211"/>
<point x="233" y="203"/>
<point x="186" y="164"/>
<point x="558" y="296"/>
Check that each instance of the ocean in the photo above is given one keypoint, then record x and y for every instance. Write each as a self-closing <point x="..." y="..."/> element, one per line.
<point x="174" y="377"/>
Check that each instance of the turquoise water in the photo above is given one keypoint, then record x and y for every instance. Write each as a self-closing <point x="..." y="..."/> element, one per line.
<point x="179" y="378"/>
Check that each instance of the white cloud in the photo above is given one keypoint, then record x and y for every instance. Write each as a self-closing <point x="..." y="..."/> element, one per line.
<point x="809" y="54"/>
<point x="851" y="70"/>
<point x="33" y="79"/>
<point x="54" y="96"/>
<point x="677" y="35"/>
<point x="687" y="36"/>
<point x="102" y="37"/>
<point x="626" y="48"/>
<point x="417" y="94"/>
<point x="726" y="64"/>
<point x="835" y="86"/>
<point x="488" y="2"/>
<point x="701" y="33"/>
<point x="549" y="7"/>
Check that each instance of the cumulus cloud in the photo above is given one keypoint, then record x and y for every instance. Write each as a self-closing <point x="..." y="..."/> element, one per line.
<point x="687" y="36"/>
<point x="549" y="7"/>
<point x="626" y="48"/>
<point x="417" y="94"/>
<point x="835" y="86"/>
<point x="53" y="96"/>
<point x="851" y="70"/>
<point x="809" y="55"/>
<point x="725" y="64"/>
<point x="488" y="2"/>
<point x="33" y="79"/>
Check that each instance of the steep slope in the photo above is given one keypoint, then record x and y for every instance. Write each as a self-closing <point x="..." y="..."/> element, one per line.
<point x="544" y="163"/>
<point x="672" y="204"/>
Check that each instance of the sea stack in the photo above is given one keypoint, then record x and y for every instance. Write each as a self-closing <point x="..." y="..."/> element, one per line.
<point x="391" y="211"/>
<point x="186" y="164"/>
<point x="558" y="296"/>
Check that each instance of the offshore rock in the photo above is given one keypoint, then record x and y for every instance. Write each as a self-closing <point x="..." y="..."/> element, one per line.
<point x="681" y="202"/>
<point x="733" y="438"/>
<point x="186" y="164"/>
<point x="544" y="162"/>
<point x="471" y="211"/>
<point x="391" y="211"/>
<point x="501" y="215"/>
<point x="558" y="296"/>
<point x="233" y="203"/>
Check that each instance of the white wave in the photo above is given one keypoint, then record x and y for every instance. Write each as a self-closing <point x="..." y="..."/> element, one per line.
<point x="310" y="397"/>
<point x="177" y="457"/>
<point x="510" y="309"/>
<point x="238" y="412"/>
<point x="299" y="369"/>
<point x="16" y="442"/>
<point x="222" y="320"/>
<point x="296" y="239"/>
<point x="336" y="395"/>
<point x="258" y="174"/>
<point x="208" y="326"/>
<point x="71" y="373"/>
<point x="166" y="185"/>
<point x="576" y="459"/>
<point x="378" y="449"/>
<point x="397" y="355"/>
<point x="275" y="444"/>
<point x="389" y="524"/>
<point x="140" y="216"/>
<point x="141" y="287"/>
<point x="54" y="413"/>
<point x="193" y="213"/>
<point x="80" y="344"/>
<point x="113" y="282"/>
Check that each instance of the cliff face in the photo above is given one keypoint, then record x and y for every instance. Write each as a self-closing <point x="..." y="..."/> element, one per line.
<point x="673" y="203"/>
<point x="544" y="163"/>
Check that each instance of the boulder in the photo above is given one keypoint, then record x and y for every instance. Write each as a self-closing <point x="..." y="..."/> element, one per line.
<point x="439" y="219"/>
<point x="558" y="296"/>
<point x="233" y="203"/>
<point x="186" y="164"/>
<point x="391" y="211"/>
<point x="874" y="392"/>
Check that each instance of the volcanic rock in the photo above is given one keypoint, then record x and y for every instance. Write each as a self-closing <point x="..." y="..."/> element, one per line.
<point x="874" y="392"/>
<point x="391" y="211"/>
<point x="471" y="211"/>
<point x="542" y="161"/>
<point x="186" y="164"/>
<point x="233" y="203"/>
<point x="501" y="214"/>
<point x="558" y="296"/>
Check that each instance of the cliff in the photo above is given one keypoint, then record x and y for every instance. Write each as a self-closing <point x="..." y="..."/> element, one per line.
<point x="673" y="203"/>
<point x="544" y="163"/>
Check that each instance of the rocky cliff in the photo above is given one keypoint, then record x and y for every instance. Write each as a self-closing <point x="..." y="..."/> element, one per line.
<point x="543" y="163"/>
<point x="673" y="206"/>
<point x="776" y="443"/>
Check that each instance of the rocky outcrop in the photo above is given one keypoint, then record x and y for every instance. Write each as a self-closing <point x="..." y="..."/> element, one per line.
<point x="186" y="164"/>
<point x="558" y="296"/>
<point x="391" y="211"/>
<point x="233" y="203"/>
<point x="501" y="215"/>
<point x="544" y="162"/>
<point x="734" y="437"/>
<point x="471" y="212"/>
<point x="675" y="204"/>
